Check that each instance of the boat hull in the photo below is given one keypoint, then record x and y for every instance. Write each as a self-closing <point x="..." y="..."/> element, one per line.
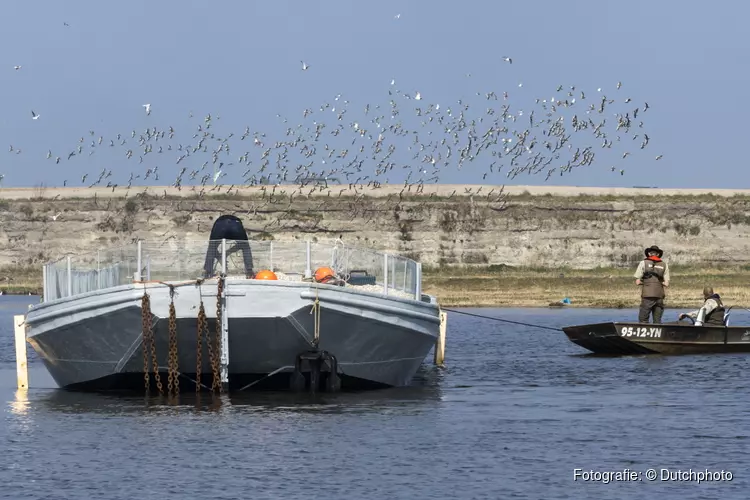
<point x="94" y="341"/>
<point x="619" y="339"/>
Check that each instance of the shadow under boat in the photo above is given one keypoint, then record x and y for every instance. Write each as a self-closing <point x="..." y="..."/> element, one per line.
<point x="425" y="389"/>
<point x="625" y="338"/>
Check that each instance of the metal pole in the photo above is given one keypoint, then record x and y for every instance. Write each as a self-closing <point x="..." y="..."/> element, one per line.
<point x="385" y="273"/>
<point x="45" y="285"/>
<point x="224" y="256"/>
<point x="70" y="278"/>
<point x="393" y="273"/>
<point x="148" y="267"/>
<point x="418" y="282"/>
<point x="140" y="262"/>
<point x="308" y="263"/>
<point x="98" y="270"/>
<point x="406" y="271"/>
<point x="270" y="256"/>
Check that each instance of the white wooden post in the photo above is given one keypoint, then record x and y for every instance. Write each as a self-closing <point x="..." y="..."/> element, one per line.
<point x="22" y="372"/>
<point x="270" y="256"/>
<point x="385" y="273"/>
<point x="70" y="278"/>
<point x="440" y="341"/>
<point x="98" y="270"/>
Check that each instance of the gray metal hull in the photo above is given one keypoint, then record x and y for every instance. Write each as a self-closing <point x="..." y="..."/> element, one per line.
<point x="93" y="341"/>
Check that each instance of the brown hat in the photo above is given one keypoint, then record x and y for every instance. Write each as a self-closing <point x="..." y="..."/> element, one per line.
<point x="654" y="248"/>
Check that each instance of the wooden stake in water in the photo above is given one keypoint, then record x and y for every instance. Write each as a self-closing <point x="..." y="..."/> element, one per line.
<point x="21" y="366"/>
<point x="440" y="342"/>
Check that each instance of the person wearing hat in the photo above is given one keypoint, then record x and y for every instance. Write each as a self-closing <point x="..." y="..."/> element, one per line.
<point x="652" y="275"/>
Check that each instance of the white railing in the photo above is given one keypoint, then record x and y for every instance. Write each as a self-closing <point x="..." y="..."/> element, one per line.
<point x="191" y="259"/>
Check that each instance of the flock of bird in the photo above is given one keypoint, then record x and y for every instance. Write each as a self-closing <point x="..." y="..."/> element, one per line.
<point x="367" y="145"/>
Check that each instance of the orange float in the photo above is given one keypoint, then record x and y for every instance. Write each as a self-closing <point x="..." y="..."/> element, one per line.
<point x="324" y="274"/>
<point x="265" y="274"/>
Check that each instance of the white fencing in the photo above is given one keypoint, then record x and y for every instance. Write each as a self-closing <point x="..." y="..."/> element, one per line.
<point x="193" y="259"/>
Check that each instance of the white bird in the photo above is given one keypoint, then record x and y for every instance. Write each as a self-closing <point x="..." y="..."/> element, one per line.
<point x="16" y="68"/>
<point x="54" y="217"/>
<point x="304" y="66"/>
<point x="397" y="16"/>
<point x="418" y="96"/>
<point x="34" y="116"/>
<point x="508" y="60"/>
<point x="148" y="108"/>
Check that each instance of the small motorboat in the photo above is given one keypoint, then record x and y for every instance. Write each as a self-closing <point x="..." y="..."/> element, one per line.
<point x="681" y="337"/>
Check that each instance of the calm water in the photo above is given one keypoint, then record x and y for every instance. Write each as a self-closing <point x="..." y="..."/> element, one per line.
<point x="511" y="416"/>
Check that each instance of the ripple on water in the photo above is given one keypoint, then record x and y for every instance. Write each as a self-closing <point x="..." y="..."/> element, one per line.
<point x="511" y="415"/>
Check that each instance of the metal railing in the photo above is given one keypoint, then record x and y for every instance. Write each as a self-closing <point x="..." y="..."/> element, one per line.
<point x="173" y="260"/>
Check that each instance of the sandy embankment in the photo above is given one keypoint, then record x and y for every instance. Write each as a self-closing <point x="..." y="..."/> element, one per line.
<point x="14" y="193"/>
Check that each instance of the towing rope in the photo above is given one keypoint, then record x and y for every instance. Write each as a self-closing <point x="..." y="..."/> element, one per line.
<point x="504" y="320"/>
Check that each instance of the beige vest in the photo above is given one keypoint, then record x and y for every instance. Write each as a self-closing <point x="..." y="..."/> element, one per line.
<point x="653" y="276"/>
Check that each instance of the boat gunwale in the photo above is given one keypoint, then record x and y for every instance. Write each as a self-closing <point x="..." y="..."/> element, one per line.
<point x="127" y="293"/>
<point x="615" y="324"/>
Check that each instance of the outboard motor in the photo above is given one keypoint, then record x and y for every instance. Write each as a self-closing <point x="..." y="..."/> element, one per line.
<point x="228" y="227"/>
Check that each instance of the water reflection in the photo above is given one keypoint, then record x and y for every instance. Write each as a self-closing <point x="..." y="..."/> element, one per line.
<point x="423" y="393"/>
<point x="20" y="403"/>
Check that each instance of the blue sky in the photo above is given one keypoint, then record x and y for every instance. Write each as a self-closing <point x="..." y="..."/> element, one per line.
<point x="241" y="63"/>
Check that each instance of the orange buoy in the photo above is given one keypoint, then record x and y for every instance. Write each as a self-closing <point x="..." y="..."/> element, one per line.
<point x="323" y="274"/>
<point x="265" y="274"/>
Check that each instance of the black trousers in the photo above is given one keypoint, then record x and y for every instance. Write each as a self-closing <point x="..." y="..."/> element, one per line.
<point x="651" y="305"/>
<point x="228" y="227"/>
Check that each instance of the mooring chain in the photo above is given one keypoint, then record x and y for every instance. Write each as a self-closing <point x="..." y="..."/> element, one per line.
<point x="202" y="327"/>
<point x="146" y="334"/>
<point x="149" y="338"/>
<point x="217" y="337"/>
<point x="174" y="382"/>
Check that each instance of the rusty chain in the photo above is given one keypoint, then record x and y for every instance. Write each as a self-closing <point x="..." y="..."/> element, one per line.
<point x="202" y="327"/>
<point x="145" y="335"/>
<point x="172" y="363"/>
<point x="215" y="355"/>
<point x="146" y="313"/>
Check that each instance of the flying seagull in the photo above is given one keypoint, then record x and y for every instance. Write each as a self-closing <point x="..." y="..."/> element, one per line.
<point x="34" y="116"/>
<point x="16" y="68"/>
<point x="508" y="60"/>
<point x="305" y="66"/>
<point x="148" y="109"/>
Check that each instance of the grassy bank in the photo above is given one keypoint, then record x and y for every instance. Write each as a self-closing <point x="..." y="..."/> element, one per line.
<point x="500" y="286"/>
<point x="603" y="287"/>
